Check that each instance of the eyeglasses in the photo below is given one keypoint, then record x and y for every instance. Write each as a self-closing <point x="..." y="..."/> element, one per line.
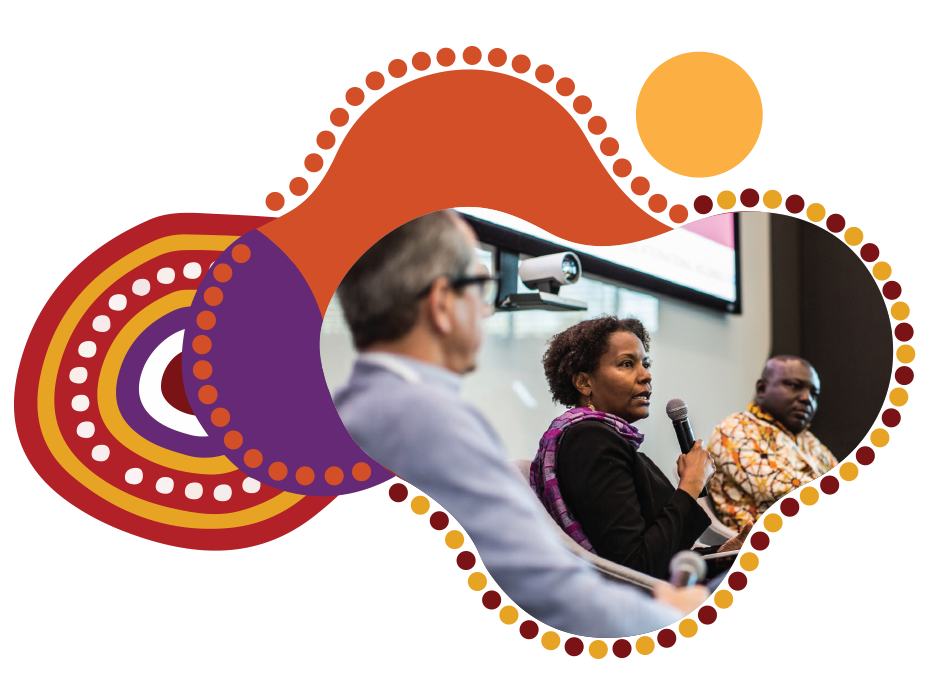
<point x="488" y="284"/>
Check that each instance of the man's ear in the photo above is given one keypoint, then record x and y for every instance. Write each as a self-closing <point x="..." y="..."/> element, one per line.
<point x="439" y="306"/>
<point x="760" y="387"/>
<point x="583" y="383"/>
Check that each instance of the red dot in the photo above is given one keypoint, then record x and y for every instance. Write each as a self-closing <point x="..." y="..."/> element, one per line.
<point x="829" y="484"/>
<point x="445" y="57"/>
<point x="678" y="214"/>
<point x="565" y="87"/>
<point x="738" y="581"/>
<point x="703" y="204"/>
<point x="707" y="614"/>
<point x="299" y="186"/>
<point x="398" y="492"/>
<point x="621" y="168"/>
<point x="374" y="80"/>
<point x="325" y="140"/>
<point x="573" y="646"/>
<point x="544" y="73"/>
<point x="397" y="68"/>
<point x="749" y="197"/>
<point x="465" y="560"/>
<point x="891" y="290"/>
<point x="339" y="117"/>
<point x="421" y="61"/>
<point x="582" y="105"/>
<point x="354" y="96"/>
<point x="497" y="57"/>
<point x="640" y="185"/>
<point x="904" y="375"/>
<point x="439" y="520"/>
<point x="657" y="203"/>
<point x="491" y="600"/>
<point x="621" y="648"/>
<point x="891" y="417"/>
<point x="275" y="201"/>
<point x="869" y="252"/>
<point x="835" y="223"/>
<point x="529" y="630"/>
<point x="520" y="64"/>
<point x="904" y="332"/>
<point x="471" y="55"/>
<point x="865" y="455"/>
<point x="313" y="162"/>
<point x="790" y="507"/>
<point x="794" y="204"/>
<point x="609" y="146"/>
<point x="759" y="541"/>
<point x="597" y="124"/>
<point x="666" y="638"/>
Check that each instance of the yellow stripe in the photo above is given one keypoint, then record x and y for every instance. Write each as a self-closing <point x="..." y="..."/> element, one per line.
<point x="858" y="489"/>
<point x="915" y="492"/>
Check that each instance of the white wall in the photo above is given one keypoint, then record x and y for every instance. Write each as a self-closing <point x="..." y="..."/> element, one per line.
<point x="708" y="358"/>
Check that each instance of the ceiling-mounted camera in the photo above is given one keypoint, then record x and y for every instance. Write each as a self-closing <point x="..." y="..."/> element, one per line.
<point x="546" y="275"/>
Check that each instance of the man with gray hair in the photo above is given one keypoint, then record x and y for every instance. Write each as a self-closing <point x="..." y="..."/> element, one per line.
<point x="415" y="303"/>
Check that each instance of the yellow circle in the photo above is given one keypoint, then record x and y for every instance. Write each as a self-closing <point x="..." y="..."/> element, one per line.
<point x="748" y="561"/>
<point x="644" y="645"/>
<point x="905" y="353"/>
<point x="688" y="628"/>
<point x="772" y="200"/>
<point x="879" y="437"/>
<point x="898" y="397"/>
<point x="900" y="310"/>
<point x="816" y="212"/>
<point x="773" y="522"/>
<point x="881" y="271"/>
<point x="723" y="599"/>
<point x="848" y="471"/>
<point x="853" y="236"/>
<point x="550" y="640"/>
<point x="712" y="135"/>
<point x="420" y="505"/>
<point x="508" y="614"/>
<point x="477" y="581"/>
<point x="809" y="496"/>
<point x="726" y="200"/>
<point x="454" y="539"/>
<point x="598" y="649"/>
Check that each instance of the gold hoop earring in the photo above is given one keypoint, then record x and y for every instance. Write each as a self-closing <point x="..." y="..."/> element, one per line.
<point x="591" y="406"/>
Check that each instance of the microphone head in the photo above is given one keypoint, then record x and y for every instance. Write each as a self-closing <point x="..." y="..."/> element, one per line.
<point x="690" y="562"/>
<point x="676" y="409"/>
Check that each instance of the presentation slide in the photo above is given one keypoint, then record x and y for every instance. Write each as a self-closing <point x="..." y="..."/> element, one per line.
<point x="699" y="256"/>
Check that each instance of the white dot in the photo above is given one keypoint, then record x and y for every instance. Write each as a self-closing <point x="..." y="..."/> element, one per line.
<point x="100" y="452"/>
<point x="87" y="349"/>
<point x="85" y="429"/>
<point x="101" y="324"/>
<point x="78" y="375"/>
<point x="223" y="492"/>
<point x="193" y="490"/>
<point x="192" y="270"/>
<point x="133" y="476"/>
<point x="141" y="287"/>
<point x="165" y="275"/>
<point x="80" y="403"/>
<point x="164" y="485"/>
<point x="117" y="303"/>
<point x="250" y="485"/>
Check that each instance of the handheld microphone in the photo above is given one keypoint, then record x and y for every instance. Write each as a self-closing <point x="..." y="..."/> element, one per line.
<point x="677" y="411"/>
<point x="686" y="568"/>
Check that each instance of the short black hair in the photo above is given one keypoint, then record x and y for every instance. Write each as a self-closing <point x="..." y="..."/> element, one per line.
<point x="772" y="361"/>
<point x="579" y="349"/>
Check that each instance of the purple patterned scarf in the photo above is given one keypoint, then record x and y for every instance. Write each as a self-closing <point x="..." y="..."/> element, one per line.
<point x="543" y="467"/>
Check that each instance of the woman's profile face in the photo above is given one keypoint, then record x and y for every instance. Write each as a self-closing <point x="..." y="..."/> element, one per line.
<point x="621" y="385"/>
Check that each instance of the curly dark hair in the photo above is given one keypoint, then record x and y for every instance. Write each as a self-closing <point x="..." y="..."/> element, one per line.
<point x="579" y="349"/>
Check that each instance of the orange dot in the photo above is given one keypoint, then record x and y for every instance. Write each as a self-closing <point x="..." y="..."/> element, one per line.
<point x="544" y="73"/>
<point x="202" y="370"/>
<point x="241" y="253"/>
<point x="205" y="320"/>
<point x="339" y="117"/>
<point x="597" y="124"/>
<point x="233" y="440"/>
<point x="421" y="61"/>
<point x="621" y="168"/>
<point x="334" y="475"/>
<point x="305" y="475"/>
<point x="277" y="470"/>
<point x="275" y="201"/>
<point x="313" y="162"/>
<point x="299" y="186"/>
<point x="471" y="55"/>
<point x="213" y="296"/>
<point x="678" y="214"/>
<point x="565" y="87"/>
<point x="325" y="140"/>
<point x="220" y="417"/>
<point x="520" y="64"/>
<point x="497" y="57"/>
<point x="201" y="344"/>
<point x="582" y="105"/>
<point x="657" y="203"/>
<point x="354" y="97"/>
<point x="374" y="81"/>
<point x="221" y="272"/>
<point x="609" y="146"/>
<point x="445" y="57"/>
<point x="207" y="394"/>
<point x="361" y="471"/>
<point x="640" y="185"/>
<point x="397" y="68"/>
<point x="253" y="458"/>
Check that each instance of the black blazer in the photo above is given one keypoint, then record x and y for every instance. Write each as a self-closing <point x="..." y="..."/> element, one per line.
<point x="625" y="504"/>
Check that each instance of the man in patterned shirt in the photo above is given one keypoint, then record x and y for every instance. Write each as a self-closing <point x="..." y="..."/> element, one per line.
<point x="765" y="452"/>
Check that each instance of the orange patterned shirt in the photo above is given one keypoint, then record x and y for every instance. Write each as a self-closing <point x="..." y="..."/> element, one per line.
<point x="758" y="461"/>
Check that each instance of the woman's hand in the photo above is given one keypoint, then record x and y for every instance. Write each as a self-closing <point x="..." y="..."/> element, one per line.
<point x="695" y="468"/>
<point x="684" y="599"/>
<point x="738" y="541"/>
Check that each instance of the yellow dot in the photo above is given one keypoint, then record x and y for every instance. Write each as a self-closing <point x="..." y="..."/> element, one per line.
<point x="713" y="135"/>
<point x="644" y="645"/>
<point x="905" y="353"/>
<point x="848" y="471"/>
<point x="723" y="599"/>
<point x="773" y="522"/>
<point x="598" y="649"/>
<point x="454" y="539"/>
<point x="477" y="581"/>
<point x="809" y="496"/>
<point x="898" y="397"/>
<point x="688" y="628"/>
<point x="881" y="271"/>
<point x="879" y="437"/>
<point x="508" y="614"/>
<point x="550" y="640"/>
<point x="772" y="200"/>
<point x="420" y="505"/>
<point x="726" y="200"/>
<point x="748" y="561"/>
<point x="852" y="236"/>
<point x="900" y="310"/>
<point x="816" y="212"/>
